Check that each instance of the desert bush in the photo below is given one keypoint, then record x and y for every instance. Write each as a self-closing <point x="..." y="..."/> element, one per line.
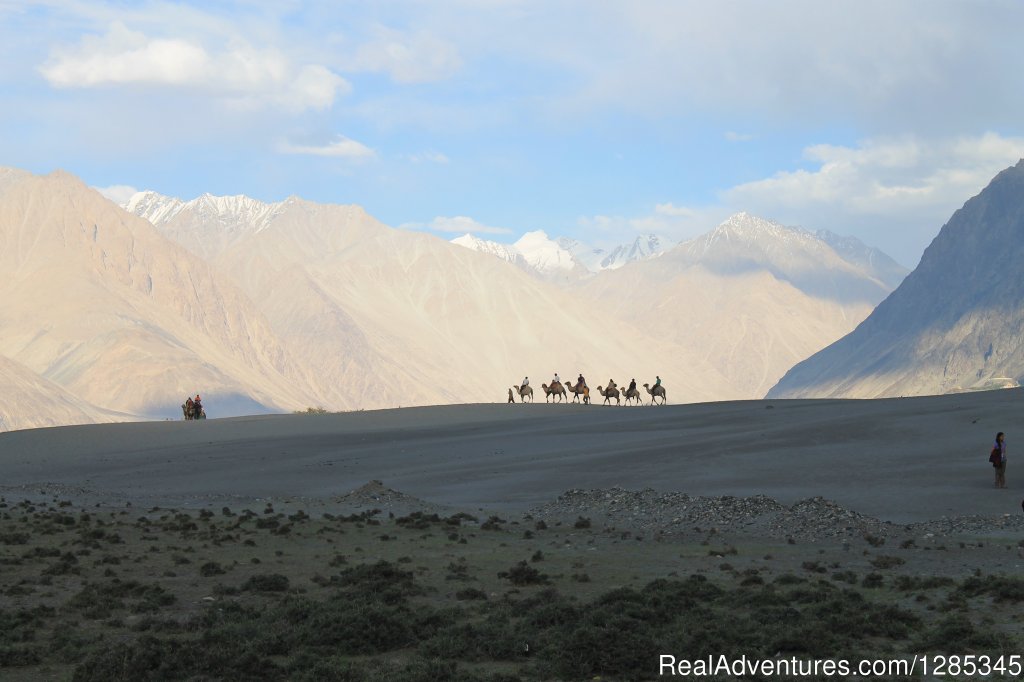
<point x="1002" y="588"/>
<point x="267" y="582"/>
<point x="884" y="562"/>
<point x="523" y="574"/>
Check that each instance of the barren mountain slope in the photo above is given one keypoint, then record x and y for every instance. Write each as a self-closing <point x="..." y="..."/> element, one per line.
<point x="955" y="323"/>
<point x="97" y="301"/>
<point x="421" y="320"/>
<point x="750" y="298"/>
<point x="29" y="401"/>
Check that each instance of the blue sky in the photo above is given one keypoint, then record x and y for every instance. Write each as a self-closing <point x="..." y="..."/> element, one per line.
<point x="596" y="120"/>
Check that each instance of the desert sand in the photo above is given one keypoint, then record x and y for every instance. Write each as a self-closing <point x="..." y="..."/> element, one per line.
<point x="901" y="460"/>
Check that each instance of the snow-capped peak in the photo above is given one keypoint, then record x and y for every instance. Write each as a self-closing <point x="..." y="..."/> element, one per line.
<point x="642" y="248"/>
<point x="230" y="211"/>
<point x="543" y="253"/>
<point x="506" y="252"/>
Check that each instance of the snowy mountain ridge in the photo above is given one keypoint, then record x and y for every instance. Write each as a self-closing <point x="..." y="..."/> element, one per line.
<point x="226" y="210"/>
<point x="545" y="255"/>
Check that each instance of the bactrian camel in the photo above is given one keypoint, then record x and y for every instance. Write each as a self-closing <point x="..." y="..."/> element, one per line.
<point x="524" y="392"/>
<point x="579" y="390"/>
<point x="610" y="393"/>
<point x="555" y="389"/>
<point x="631" y="394"/>
<point x="655" y="393"/>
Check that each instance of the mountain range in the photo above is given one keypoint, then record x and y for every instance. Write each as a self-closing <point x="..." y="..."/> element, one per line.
<point x="114" y="312"/>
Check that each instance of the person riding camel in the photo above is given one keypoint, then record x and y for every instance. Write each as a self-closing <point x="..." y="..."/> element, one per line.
<point x="556" y="380"/>
<point x="581" y="382"/>
<point x="526" y="382"/>
<point x="657" y="381"/>
<point x="197" y="407"/>
<point x="632" y="384"/>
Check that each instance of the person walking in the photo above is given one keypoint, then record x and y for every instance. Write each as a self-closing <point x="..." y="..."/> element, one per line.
<point x="998" y="458"/>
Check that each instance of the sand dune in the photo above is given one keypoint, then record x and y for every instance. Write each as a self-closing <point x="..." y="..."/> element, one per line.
<point x="899" y="459"/>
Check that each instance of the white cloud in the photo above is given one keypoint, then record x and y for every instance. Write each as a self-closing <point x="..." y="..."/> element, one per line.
<point x="418" y="57"/>
<point x="889" y="192"/>
<point x="340" y="147"/>
<point x="119" y="194"/>
<point x="886" y="176"/>
<point x="241" y="73"/>
<point x="457" y="224"/>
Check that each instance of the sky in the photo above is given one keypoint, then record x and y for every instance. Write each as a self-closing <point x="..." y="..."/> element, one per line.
<point x="594" y="120"/>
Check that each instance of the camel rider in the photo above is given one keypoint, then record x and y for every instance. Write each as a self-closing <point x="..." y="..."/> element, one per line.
<point x="632" y="384"/>
<point x="657" y="381"/>
<point x="556" y="380"/>
<point x="526" y="382"/>
<point x="581" y="382"/>
<point x="197" y="406"/>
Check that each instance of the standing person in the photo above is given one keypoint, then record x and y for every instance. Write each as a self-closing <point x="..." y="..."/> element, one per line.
<point x="998" y="458"/>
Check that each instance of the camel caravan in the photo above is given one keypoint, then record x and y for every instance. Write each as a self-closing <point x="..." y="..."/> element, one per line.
<point x="559" y="391"/>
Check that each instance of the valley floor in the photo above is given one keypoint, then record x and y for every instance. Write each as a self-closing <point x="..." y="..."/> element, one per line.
<point x="509" y="542"/>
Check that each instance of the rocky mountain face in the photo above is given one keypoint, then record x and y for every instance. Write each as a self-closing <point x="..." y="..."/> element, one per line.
<point x="955" y="323"/>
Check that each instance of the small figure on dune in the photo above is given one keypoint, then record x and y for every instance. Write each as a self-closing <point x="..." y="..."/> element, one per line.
<point x="998" y="459"/>
<point x="197" y="408"/>
<point x="511" y="398"/>
<point x="188" y="409"/>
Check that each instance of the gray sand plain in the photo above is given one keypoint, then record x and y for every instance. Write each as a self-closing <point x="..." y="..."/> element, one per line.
<point x="902" y="460"/>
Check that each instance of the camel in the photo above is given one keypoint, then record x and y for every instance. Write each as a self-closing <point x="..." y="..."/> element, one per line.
<point x="577" y="391"/>
<point x="657" y="391"/>
<point x="555" y="389"/>
<point x="524" y="392"/>
<point x="188" y="409"/>
<point x="612" y="392"/>
<point x="631" y="394"/>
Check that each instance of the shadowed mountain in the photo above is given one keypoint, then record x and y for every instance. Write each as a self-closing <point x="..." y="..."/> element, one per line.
<point x="955" y="323"/>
